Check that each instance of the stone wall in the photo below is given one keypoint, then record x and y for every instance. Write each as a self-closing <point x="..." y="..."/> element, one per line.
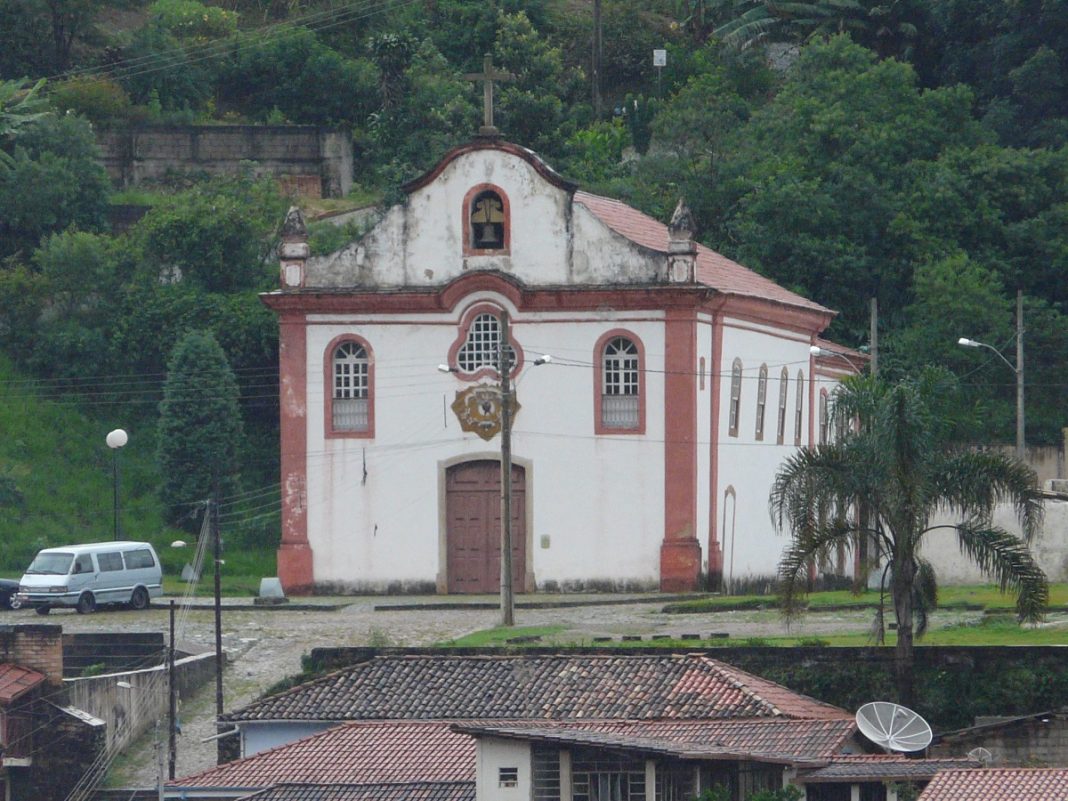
<point x="66" y="752"/>
<point x="312" y="160"/>
<point x="1034" y="741"/>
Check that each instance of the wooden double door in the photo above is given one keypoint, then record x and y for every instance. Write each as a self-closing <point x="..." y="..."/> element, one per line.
<point x="473" y="527"/>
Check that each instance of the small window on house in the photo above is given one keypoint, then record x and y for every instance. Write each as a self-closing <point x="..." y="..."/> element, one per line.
<point x="487" y="221"/>
<point x="799" y="408"/>
<point x="762" y="400"/>
<point x="481" y="348"/>
<point x="620" y="396"/>
<point x="508" y="777"/>
<point x="784" y="385"/>
<point x="351" y="401"/>
<point x="735" y="408"/>
<point x="824" y="421"/>
<point x="109" y="561"/>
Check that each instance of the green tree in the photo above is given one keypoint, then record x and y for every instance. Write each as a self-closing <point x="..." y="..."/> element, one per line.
<point x="902" y="466"/>
<point x="200" y="428"/>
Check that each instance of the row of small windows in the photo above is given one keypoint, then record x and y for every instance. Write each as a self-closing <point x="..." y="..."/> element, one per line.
<point x="735" y="408"/>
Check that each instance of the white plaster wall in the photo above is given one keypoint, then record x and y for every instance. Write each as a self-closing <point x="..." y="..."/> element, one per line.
<point x="597" y="500"/>
<point x="1050" y="548"/>
<point x="601" y="256"/>
<point x="704" y="434"/>
<point x="491" y="755"/>
<point x="256" y="737"/>
<point x="754" y="548"/>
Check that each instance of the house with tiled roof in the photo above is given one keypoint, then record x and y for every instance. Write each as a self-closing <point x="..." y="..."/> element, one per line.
<point x="642" y="450"/>
<point x="999" y="784"/>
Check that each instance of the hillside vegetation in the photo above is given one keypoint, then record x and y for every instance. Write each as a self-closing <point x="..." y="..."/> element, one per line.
<point x="911" y="151"/>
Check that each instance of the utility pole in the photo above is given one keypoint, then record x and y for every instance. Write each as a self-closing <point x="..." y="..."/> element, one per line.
<point x="595" y="71"/>
<point x="172" y="703"/>
<point x="213" y="509"/>
<point x="1021" y="445"/>
<point x="504" y="368"/>
<point x="873" y="337"/>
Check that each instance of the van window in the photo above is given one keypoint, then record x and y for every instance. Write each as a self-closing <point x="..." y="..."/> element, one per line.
<point x="142" y="557"/>
<point x="109" y="561"/>
<point x="83" y="563"/>
<point x="51" y="564"/>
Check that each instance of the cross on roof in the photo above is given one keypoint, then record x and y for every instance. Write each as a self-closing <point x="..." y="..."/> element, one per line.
<point x="488" y="75"/>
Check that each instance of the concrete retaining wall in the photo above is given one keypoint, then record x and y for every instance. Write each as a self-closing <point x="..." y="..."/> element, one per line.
<point x="314" y="161"/>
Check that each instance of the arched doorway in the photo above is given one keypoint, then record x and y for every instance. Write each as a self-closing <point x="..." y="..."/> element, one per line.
<point x="473" y="527"/>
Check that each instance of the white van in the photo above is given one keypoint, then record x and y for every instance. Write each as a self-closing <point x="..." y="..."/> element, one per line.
<point x="88" y="576"/>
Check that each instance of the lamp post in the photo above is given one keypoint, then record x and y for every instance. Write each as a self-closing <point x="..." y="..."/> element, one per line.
<point x="155" y="737"/>
<point x="1017" y="369"/>
<point x="507" y="395"/>
<point x="816" y="350"/>
<point x="116" y="440"/>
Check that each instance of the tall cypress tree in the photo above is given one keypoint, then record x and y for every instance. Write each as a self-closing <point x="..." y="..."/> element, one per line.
<point x="200" y="429"/>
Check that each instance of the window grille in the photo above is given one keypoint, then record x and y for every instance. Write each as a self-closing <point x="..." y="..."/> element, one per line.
<point x="799" y="407"/>
<point x="351" y="405"/>
<point x="784" y="382"/>
<point x="481" y="348"/>
<point x="602" y="777"/>
<point x="545" y="774"/>
<point x="620" y="396"/>
<point x="508" y="777"/>
<point x="762" y="400"/>
<point x="736" y="397"/>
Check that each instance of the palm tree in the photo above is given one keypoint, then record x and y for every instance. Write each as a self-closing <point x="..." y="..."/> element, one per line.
<point x="900" y="466"/>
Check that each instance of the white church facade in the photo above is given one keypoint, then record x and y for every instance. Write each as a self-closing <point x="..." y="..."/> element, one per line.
<point x="643" y="451"/>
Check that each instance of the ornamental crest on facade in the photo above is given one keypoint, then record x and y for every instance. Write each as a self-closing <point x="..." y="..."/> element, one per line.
<point x="478" y="409"/>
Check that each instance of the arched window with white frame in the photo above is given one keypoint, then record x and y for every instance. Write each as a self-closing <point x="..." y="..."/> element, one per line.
<point x="799" y="409"/>
<point x="824" y="417"/>
<point x="351" y="389"/>
<point x="780" y="422"/>
<point x="620" y="389"/>
<point x="734" y="411"/>
<point x="762" y="401"/>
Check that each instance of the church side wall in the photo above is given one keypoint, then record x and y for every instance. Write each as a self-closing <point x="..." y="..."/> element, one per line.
<point x="374" y="518"/>
<point x="705" y="426"/>
<point x="747" y="466"/>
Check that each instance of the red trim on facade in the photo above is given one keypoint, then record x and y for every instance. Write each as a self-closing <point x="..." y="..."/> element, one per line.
<point x="465" y="221"/>
<point x="328" y="390"/>
<point x="680" y="552"/>
<point x="715" y="547"/>
<point x="458" y="290"/>
<point x="765" y="312"/>
<point x="529" y="156"/>
<point x="295" y="568"/>
<point x="468" y="317"/>
<point x="598" y="381"/>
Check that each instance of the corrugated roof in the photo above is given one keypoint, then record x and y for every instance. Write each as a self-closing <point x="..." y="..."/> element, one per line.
<point x="713" y="269"/>
<point x="995" y="784"/>
<point x="557" y="686"/>
<point x="365" y="752"/>
<point x="411" y="791"/>
<point x="15" y="680"/>
<point x="771" y="739"/>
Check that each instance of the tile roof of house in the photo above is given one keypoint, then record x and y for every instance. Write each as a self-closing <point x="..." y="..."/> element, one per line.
<point x="537" y="686"/>
<point x="365" y="752"/>
<point x="769" y="739"/>
<point x="1010" y="784"/>
<point x="882" y="767"/>
<point x="713" y="269"/>
<point x="16" y="680"/>
<point x="409" y="791"/>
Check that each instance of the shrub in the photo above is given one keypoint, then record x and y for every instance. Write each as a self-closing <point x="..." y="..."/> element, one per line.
<point x="98" y="99"/>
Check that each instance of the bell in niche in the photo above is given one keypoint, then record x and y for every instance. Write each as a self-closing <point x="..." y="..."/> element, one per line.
<point x="488" y="237"/>
<point x="487" y="220"/>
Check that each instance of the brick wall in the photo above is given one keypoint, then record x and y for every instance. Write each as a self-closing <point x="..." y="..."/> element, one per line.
<point x="317" y="161"/>
<point x="36" y="646"/>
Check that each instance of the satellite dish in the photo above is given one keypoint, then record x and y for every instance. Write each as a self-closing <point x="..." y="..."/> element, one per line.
<point x="893" y="726"/>
<point x="981" y="754"/>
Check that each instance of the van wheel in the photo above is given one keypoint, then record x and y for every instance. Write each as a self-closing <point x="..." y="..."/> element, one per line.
<point x="43" y="610"/>
<point x="86" y="604"/>
<point x="139" y="599"/>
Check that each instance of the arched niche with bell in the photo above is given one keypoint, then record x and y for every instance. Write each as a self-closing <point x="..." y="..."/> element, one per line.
<point x="487" y="221"/>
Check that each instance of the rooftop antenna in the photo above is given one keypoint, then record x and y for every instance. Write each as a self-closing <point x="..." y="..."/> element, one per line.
<point x="981" y="754"/>
<point x="893" y="727"/>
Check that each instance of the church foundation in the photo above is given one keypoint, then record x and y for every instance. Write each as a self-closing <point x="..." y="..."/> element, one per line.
<point x="680" y="565"/>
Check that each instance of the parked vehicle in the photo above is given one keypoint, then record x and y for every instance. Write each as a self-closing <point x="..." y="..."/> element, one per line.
<point x="8" y="594"/>
<point x="88" y="576"/>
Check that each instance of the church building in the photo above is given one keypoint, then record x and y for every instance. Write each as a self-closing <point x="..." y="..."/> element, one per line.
<point x="656" y="388"/>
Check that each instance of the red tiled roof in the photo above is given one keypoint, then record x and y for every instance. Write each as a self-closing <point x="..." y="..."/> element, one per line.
<point x="713" y="269"/>
<point x="770" y="739"/>
<point x="537" y="686"/>
<point x="16" y="680"/>
<point x="882" y="767"/>
<point x="413" y="791"/>
<point x="998" y="784"/>
<point x="365" y="752"/>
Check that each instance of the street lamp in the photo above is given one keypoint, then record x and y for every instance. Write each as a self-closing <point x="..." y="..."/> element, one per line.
<point x="816" y="350"/>
<point x="155" y="737"/>
<point x="116" y="440"/>
<point x="1018" y="369"/>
